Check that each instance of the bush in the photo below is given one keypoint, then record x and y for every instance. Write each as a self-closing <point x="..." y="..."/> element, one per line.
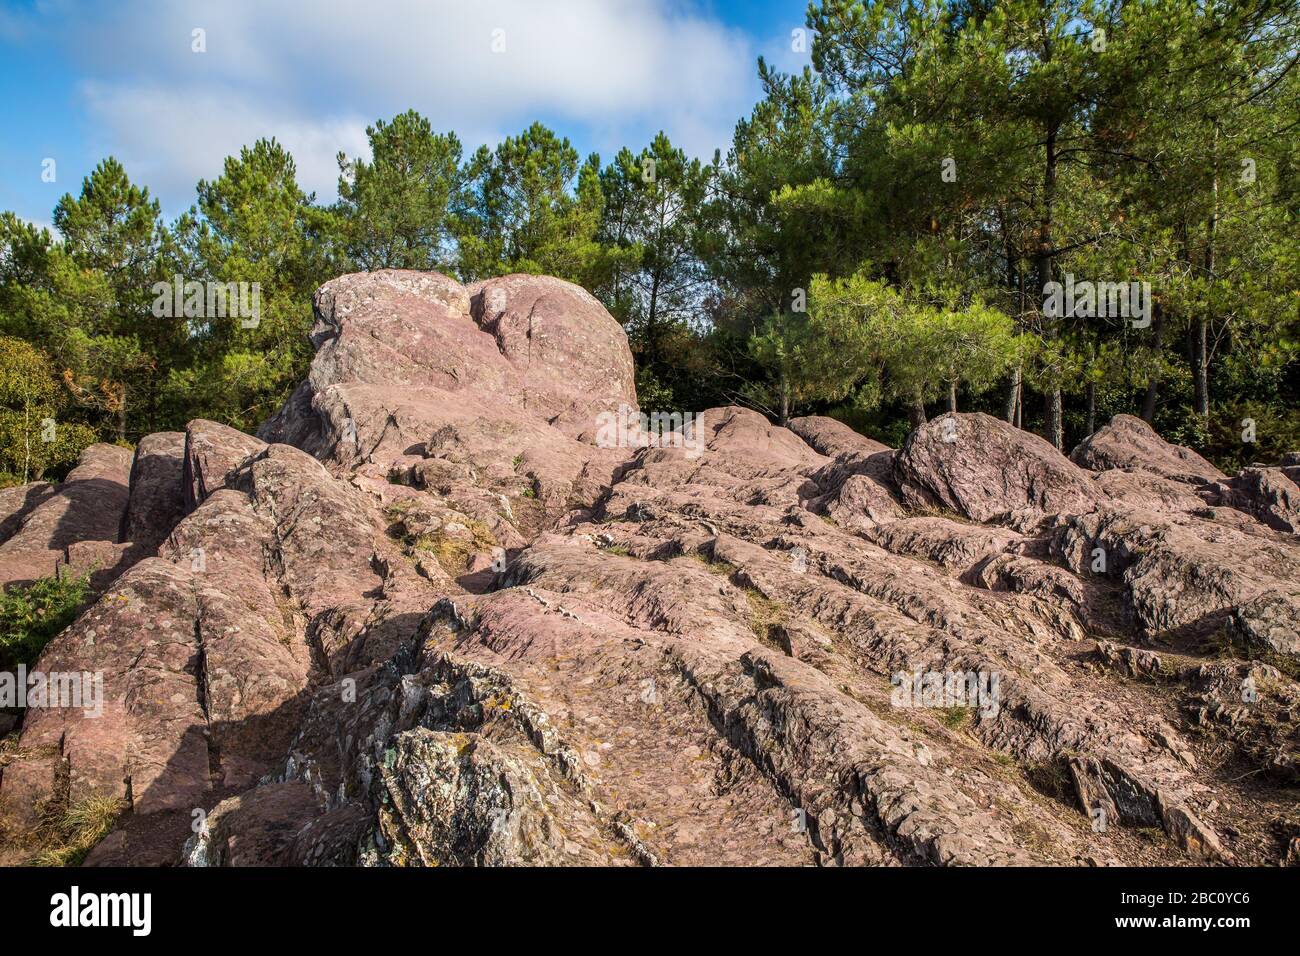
<point x="1277" y="431"/>
<point x="35" y="439"/>
<point x="30" y="617"/>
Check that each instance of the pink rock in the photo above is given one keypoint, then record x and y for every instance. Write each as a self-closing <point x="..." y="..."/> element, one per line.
<point x="1130" y="443"/>
<point x="156" y="500"/>
<point x="981" y="467"/>
<point x="695" y="656"/>
<point x="85" y="506"/>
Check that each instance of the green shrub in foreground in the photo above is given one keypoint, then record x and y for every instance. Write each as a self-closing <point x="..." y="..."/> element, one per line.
<point x="31" y="616"/>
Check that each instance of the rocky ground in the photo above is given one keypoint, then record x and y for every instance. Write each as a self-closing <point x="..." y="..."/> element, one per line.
<point x="424" y="618"/>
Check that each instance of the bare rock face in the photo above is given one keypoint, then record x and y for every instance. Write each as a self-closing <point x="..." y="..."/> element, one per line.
<point x="24" y="565"/>
<point x="1183" y="577"/>
<point x="829" y="437"/>
<point x="17" y="502"/>
<point x="572" y="360"/>
<point x="255" y="828"/>
<point x="1268" y="622"/>
<point x="426" y="619"/>
<point x="1131" y="444"/>
<point x="87" y="505"/>
<point x="981" y="467"/>
<point x="212" y="451"/>
<point x="1270" y="495"/>
<point x="157" y="499"/>
<point x="70" y="528"/>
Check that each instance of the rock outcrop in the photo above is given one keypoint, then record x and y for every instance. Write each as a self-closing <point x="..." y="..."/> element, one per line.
<point x="43" y="522"/>
<point x="982" y="468"/>
<point x="1131" y="444"/>
<point x="431" y="615"/>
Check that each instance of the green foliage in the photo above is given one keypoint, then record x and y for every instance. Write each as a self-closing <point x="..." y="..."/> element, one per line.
<point x="253" y="224"/>
<point x="33" y="615"/>
<point x="654" y="231"/>
<point x="530" y="206"/>
<point x="775" y="218"/>
<point x="875" y="239"/>
<point x="1001" y="146"/>
<point x="921" y="348"/>
<point x="32" y="439"/>
<point x="106" y="340"/>
<point x="395" y="210"/>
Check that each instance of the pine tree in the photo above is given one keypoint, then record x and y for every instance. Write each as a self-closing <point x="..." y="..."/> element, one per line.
<point x="395" y="209"/>
<point x="652" y="229"/>
<point x="530" y="206"/>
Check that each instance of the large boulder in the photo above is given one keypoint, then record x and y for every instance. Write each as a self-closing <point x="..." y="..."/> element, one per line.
<point x="1130" y="443"/>
<point x="1184" y="576"/>
<point x="981" y="467"/>
<point x="86" y="506"/>
<point x="828" y="436"/>
<point x="43" y="521"/>
<point x="421" y="381"/>
<point x="17" y="501"/>
<point x="146" y="742"/>
<point x="1270" y="495"/>
<point x="212" y="452"/>
<point x="572" y="358"/>
<point x="405" y="329"/>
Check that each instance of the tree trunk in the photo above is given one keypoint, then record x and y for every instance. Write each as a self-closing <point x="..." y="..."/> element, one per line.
<point x="1200" y="370"/>
<point x="27" y="433"/>
<point x="1091" y="425"/>
<point x="952" y="397"/>
<point x="1200" y="360"/>
<point x="916" y="413"/>
<point x="785" y="401"/>
<point x="1053" y="425"/>
<point x="1149" y="401"/>
<point x="651" y="333"/>
<point x="1052" y="398"/>
<point x="1153" y="380"/>
<point x="1013" y="396"/>
<point x="121" y="416"/>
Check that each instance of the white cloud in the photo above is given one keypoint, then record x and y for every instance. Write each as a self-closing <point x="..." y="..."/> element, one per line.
<point x="170" y="139"/>
<point x="315" y="74"/>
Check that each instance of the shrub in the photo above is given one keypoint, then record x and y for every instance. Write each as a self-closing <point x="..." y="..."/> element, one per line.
<point x="31" y="616"/>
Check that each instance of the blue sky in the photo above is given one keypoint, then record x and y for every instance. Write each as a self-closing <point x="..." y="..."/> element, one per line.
<point x="81" y="80"/>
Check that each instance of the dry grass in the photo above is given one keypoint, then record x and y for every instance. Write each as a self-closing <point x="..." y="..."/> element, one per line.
<point x="764" y="615"/>
<point x="451" y="551"/>
<point x="957" y="718"/>
<point x="723" y="568"/>
<point x="1050" y="778"/>
<point x="65" y="837"/>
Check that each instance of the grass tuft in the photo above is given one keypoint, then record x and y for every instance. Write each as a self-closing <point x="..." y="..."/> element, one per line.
<point x="764" y="615"/>
<point x="66" y="837"/>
